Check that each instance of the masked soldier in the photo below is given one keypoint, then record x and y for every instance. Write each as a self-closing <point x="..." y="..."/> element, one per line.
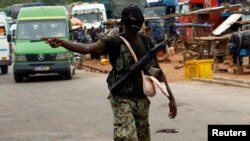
<point x="129" y="103"/>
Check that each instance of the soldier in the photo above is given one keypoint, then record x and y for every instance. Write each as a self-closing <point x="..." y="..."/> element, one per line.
<point x="130" y="105"/>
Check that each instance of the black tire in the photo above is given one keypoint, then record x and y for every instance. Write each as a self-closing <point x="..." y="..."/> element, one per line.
<point x="68" y="75"/>
<point x="4" y="69"/>
<point x="18" y="78"/>
<point x="73" y="66"/>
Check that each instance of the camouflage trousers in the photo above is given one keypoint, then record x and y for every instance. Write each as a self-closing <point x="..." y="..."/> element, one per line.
<point x="130" y="118"/>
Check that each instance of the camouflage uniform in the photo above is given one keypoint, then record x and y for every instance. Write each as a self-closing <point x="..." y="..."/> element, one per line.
<point x="130" y="118"/>
<point x="130" y="105"/>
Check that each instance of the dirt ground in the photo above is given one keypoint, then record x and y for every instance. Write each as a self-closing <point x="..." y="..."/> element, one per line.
<point x="173" y="70"/>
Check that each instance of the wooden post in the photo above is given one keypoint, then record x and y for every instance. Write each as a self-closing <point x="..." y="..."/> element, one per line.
<point x="239" y="66"/>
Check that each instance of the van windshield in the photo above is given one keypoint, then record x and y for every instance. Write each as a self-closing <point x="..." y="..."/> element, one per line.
<point x="88" y="17"/>
<point x="36" y="29"/>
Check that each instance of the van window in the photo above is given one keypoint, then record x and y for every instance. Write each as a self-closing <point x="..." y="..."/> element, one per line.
<point x="36" y="29"/>
<point x="2" y="31"/>
<point x="88" y="17"/>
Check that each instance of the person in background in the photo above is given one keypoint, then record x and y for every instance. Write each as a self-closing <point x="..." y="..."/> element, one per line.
<point x="130" y="105"/>
<point x="79" y="35"/>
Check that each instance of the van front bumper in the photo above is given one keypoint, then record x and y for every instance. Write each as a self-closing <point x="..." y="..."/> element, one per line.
<point x="38" y="67"/>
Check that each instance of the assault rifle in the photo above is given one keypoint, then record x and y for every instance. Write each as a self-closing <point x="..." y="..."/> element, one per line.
<point x="139" y="65"/>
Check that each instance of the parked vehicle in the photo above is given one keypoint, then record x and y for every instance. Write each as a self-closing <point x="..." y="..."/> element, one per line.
<point x="5" y="46"/>
<point x="91" y="14"/>
<point x="154" y="9"/>
<point x="32" y="55"/>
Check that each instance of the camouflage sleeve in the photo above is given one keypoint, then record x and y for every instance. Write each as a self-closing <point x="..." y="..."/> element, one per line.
<point x="107" y="44"/>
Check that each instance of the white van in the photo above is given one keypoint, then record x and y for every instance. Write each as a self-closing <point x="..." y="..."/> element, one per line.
<point x="5" y="46"/>
<point x="91" y="14"/>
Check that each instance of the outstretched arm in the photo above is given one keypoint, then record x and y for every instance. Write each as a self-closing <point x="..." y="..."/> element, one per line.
<point x="92" y="48"/>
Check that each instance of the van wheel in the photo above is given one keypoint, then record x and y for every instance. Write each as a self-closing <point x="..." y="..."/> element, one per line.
<point x="73" y="66"/>
<point x="18" y="78"/>
<point x="4" y="69"/>
<point x="68" y="75"/>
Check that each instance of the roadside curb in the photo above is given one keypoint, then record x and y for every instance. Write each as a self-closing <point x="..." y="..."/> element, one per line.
<point x="216" y="79"/>
<point x="92" y="68"/>
<point x="226" y="81"/>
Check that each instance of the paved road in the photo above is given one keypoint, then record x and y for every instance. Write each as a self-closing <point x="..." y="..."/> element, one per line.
<point x="48" y="108"/>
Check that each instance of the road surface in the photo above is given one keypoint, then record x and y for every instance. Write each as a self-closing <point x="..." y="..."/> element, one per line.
<point x="49" y="108"/>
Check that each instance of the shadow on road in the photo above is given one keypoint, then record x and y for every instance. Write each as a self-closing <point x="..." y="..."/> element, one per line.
<point x="43" y="78"/>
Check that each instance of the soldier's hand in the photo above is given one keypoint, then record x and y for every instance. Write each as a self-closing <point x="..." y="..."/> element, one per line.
<point x="53" y="42"/>
<point x="173" y="110"/>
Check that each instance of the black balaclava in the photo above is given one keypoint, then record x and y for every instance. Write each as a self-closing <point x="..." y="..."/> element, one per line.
<point x="132" y="17"/>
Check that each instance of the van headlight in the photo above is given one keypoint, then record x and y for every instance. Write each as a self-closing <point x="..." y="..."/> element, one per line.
<point x="63" y="56"/>
<point x="20" y="58"/>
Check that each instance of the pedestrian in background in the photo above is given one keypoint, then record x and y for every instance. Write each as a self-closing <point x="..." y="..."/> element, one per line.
<point x="80" y="36"/>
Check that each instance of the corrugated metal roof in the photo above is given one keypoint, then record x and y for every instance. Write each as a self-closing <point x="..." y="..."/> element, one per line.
<point x="226" y="24"/>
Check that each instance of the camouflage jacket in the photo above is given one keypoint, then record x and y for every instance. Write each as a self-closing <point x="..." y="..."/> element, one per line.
<point x="121" y="59"/>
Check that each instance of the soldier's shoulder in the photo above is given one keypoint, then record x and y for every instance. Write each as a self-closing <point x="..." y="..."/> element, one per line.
<point x="111" y="37"/>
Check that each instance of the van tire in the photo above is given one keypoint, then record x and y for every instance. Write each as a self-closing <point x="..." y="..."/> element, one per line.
<point x="4" y="69"/>
<point x="68" y="75"/>
<point x="73" y="66"/>
<point x="18" y="78"/>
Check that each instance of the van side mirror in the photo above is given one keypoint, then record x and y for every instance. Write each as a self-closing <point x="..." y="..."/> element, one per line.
<point x="13" y="33"/>
<point x="9" y="38"/>
<point x="71" y="35"/>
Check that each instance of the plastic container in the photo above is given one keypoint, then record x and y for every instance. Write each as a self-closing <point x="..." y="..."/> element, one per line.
<point x="244" y="52"/>
<point x="198" y="69"/>
<point x="104" y="61"/>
